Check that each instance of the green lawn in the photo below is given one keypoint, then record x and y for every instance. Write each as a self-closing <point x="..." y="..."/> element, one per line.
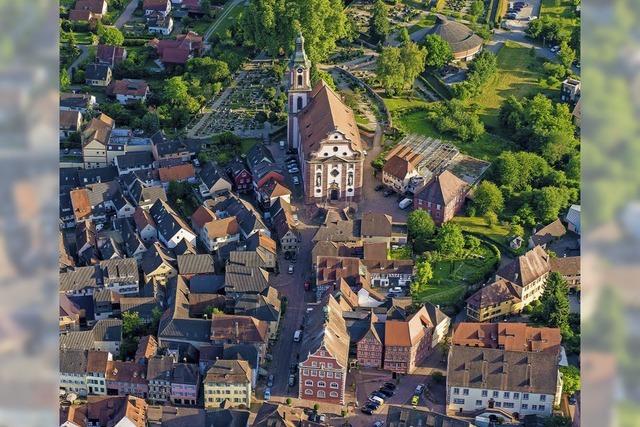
<point x="478" y="225"/>
<point x="518" y="74"/>
<point x="560" y="9"/>
<point x="403" y="252"/>
<point x="427" y="21"/>
<point x="81" y="38"/>
<point x="246" y="144"/>
<point x="229" y="19"/>
<point x="451" y="277"/>
<point x="395" y="104"/>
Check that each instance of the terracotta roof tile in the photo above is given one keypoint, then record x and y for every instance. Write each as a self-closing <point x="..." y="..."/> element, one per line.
<point x="177" y="173"/>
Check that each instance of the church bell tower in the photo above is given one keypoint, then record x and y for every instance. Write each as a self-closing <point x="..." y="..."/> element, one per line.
<point x="299" y="90"/>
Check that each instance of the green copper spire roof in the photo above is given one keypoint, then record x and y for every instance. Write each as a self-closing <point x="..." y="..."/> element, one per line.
<point x="299" y="56"/>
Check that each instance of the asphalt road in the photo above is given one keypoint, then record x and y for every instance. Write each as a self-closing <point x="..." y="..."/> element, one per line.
<point x="126" y="15"/>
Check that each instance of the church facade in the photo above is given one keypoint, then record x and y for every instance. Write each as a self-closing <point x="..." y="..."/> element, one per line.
<point x="324" y="131"/>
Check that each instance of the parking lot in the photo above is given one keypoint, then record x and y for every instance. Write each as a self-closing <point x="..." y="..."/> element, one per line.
<point x="522" y="16"/>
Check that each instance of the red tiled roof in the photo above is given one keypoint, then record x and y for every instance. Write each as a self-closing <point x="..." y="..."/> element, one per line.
<point x="177" y="173"/>
<point x="111" y="55"/>
<point x="130" y="87"/>
<point x="155" y="5"/>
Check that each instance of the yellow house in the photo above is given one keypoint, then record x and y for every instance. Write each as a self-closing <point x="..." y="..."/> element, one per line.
<point x="95" y="138"/>
<point x="158" y="265"/>
<point x="228" y="380"/>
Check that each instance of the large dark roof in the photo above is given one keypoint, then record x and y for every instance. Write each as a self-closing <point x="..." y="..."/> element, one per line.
<point x="459" y="36"/>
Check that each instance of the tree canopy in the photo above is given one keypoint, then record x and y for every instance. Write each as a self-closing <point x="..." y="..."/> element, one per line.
<point x="110" y="35"/>
<point x="398" y="67"/>
<point x="554" y="303"/>
<point x="450" y="240"/>
<point x="379" y="26"/>
<point x="274" y="24"/>
<point x="570" y="379"/>
<point x="421" y="228"/>
<point x="423" y="275"/>
<point x="488" y="198"/>
<point x="439" y="52"/>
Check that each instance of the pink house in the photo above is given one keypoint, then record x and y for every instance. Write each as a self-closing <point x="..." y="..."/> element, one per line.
<point x="184" y="384"/>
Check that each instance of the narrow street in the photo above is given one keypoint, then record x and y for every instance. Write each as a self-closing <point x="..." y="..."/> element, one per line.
<point x="126" y="15"/>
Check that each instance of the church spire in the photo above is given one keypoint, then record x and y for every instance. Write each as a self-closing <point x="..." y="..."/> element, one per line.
<point x="299" y="55"/>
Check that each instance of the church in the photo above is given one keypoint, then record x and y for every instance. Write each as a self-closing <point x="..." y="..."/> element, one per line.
<point x="324" y="131"/>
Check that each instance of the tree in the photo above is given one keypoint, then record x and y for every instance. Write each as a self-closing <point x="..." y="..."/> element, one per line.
<point x="379" y="23"/>
<point x="110" y="35"/>
<point x="488" y="198"/>
<point x="205" y="7"/>
<point x="570" y="379"/>
<point x="566" y="55"/>
<point x="398" y="67"/>
<point x="150" y="122"/>
<point x="484" y="66"/>
<point x="549" y="201"/>
<point x="273" y="25"/>
<point x="557" y="421"/>
<point x="472" y="243"/>
<point x="439" y="52"/>
<point x="526" y="215"/>
<point x="491" y="218"/>
<point x="450" y="240"/>
<point x="208" y="70"/>
<point x="404" y="36"/>
<point x="516" y="230"/>
<point x="554" y="303"/>
<point x="477" y="8"/>
<point x="210" y="311"/>
<point x="424" y="274"/>
<point x="131" y="323"/>
<point x="456" y="118"/>
<point x="65" y="80"/>
<point x="421" y="228"/>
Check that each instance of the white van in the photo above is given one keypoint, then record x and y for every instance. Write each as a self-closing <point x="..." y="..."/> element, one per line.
<point x="405" y="203"/>
<point x="377" y="399"/>
<point x="297" y="336"/>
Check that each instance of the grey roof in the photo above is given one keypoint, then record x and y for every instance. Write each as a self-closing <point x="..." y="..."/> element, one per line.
<point x="144" y="306"/>
<point x="185" y="373"/>
<point x="241" y="279"/>
<point x="338" y="230"/>
<point x="135" y="159"/>
<point x="109" y="249"/>
<point x="262" y="307"/>
<point x="77" y="340"/>
<point x="211" y="173"/>
<point x="170" y="147"/>
<point x="96" y="71"/>
<point x="400" y="416"/>
<point x="80" y="278"/>
<point x="459" y="36"/>
<point x="141" y="192"/>
<point x="206" y="283"/>
<point x="247" y="258"/>
<point x="175" y="322"/>
<point x="227" y="418"/>
<point x="131" y="240"/>
<point x="168" y="222"/>
<point x="259" y="153"/>
<point x="184" y="247"/>
<point x="495" y="369"/>
<point x="159" y="368"/>
<point x="435" y="314"/>
<point x="230" y="371"/>
<point x="196" y="264"/>
<point x="75" y="100"/>
<point x="155" y="256"/>
<point x="248" y="219"/>
<point x="246" y="352"/>
<point x="108" y="330"/>
<point x="68" y="179"/>
<point x="73" y="361"/>
<point x="103" y="174"/>
<point x="119" y="271"/>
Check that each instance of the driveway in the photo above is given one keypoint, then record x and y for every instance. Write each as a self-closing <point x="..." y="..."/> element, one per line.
<point x="80" y="59"/>
<point x="127" y="14"/>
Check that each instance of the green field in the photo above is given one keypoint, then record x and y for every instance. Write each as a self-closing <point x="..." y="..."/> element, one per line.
<point x="519" y="74"/>
<point x="451" y="277"/>
<point x="230" y="19"/>
<point x="559" y="9"/>
<point x="246" y="144"/>
<point x="479" y="226"/>
<point x="81" y="38"/>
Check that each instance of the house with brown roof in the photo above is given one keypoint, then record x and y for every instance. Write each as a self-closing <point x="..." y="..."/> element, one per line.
<point x="401" y="165"/>
<point x="70" y="122"/>
<point x="213" y="180"/>
<point x="325" y="132"/>
<point x="547" y="234"/>
<point x="110" y="55"/>
<point x="179" y="173"/>
<point x="264" y="246"/>
<point x="330" y="269"/>
<point x="443" y="197"/>
<point x="157" y="23"/>
<point x="271" y="191"/>
<point x="213" y="231"/>
<point x="409" y="340"/>
<point x="127" y="379"/>
<point x="128" y="91"/>
<point x="88" y="10"/>
<point x="228" y="380"/>
<point x="236" y="329"/>
<point x="116" y="410"/>
<point x="324" y="354"/>
<point x="507" y="336"/>
<point x="519" y="383"/>
<point x="145" y="226"/>
<point x="180" y="50"/>
<point x="95" y="139"/>
<point x="285" y="226"/>
<point x="569" y="269"/>
<point x="370" y="345"/>
<point x="377" y="227"/>
<point x="158" y="264"/>
<point x="156" y="6"/>
<point x="516" y="285"/>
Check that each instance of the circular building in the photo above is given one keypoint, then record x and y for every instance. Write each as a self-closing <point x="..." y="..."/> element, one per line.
<point x="464" y="43"/>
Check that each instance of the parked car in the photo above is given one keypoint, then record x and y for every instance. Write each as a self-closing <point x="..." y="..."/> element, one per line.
<point x="555" y="49"/>
<point x="379" y="187"/>
<point x="389" y="385"/>
<point x="270" y="381"/>
<point x="405" y="203"/>
<point x="387" y="192"/>
<point x="387" y="393"/>
<point x="282" y="145"/>
<point x="292" y="380"/>
<point x="267" y="394"/>
<point x="415" y="400"/>
<point x="297" y="336"/>
<point x="378" y="395"/>
<point x="366" y="410"/>
<point x="293" y="368"/>
<point x="290" y="269"/>
<point x="378" y="424"/>
<point x="294" y="170"/>
<point x="511" y="16"/>
<point x="419" y="389"/>
<point x="396" y="290"/>
<point x="379" y="399"/>
<point x="296" y="181"/>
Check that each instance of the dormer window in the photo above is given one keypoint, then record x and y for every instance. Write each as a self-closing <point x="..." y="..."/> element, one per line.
<point x="335" y="149"/>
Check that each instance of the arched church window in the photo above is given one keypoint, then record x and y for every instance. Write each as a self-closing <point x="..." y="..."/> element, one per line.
<point x="299" y="79"/>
